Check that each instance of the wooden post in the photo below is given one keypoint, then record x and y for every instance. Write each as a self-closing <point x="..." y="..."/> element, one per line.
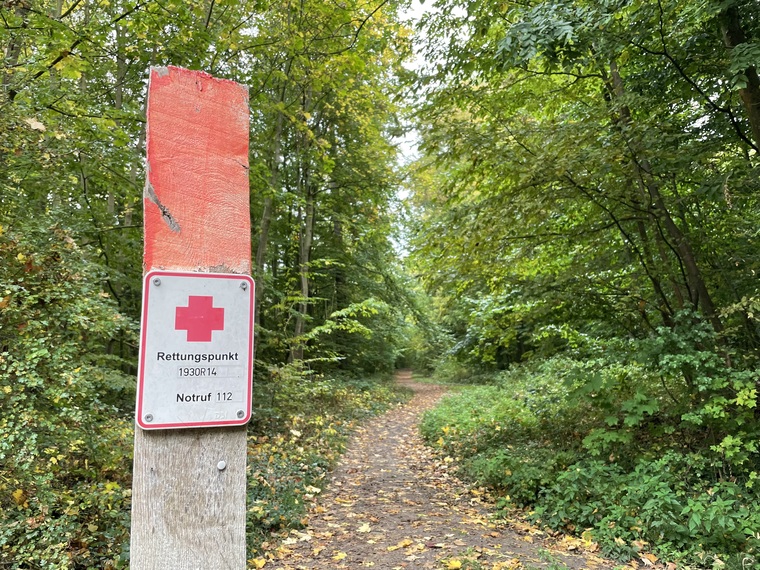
<point x="189" y="485"/>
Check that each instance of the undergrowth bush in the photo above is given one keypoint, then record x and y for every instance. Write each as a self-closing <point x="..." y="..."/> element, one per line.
<point x="66" y="423"/>
<point x="67" y="428"/>
<point x="643" y="444"/>
<point x="449" y="371"/>
<point x="662" y="505"/>
<point x="513" y="435"/>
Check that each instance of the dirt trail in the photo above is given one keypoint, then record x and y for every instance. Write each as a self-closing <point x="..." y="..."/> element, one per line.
<point x="392" y="504"/>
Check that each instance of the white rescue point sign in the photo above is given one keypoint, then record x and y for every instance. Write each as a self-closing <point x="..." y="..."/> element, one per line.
<point x="196" y="350"/>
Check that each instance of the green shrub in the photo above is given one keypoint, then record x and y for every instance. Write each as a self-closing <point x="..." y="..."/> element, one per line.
<point x="645" y="444"/>
<point x="512" y="435"/>
<point x="662" y="504"/>
<point x="518" y="472"/>
<point x="66" y="428"/>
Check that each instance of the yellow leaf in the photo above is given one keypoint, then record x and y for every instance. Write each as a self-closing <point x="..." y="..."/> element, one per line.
<point x="454" y="564"/>
<point x="364" y="528"/>
<point x="92" y="527"/>
<point x="259" y="562"/>
<point x="19" y="496"/>
<point x="21" y="257"/>
<point x="649" y="559"/>
<point x="340" y="556"/>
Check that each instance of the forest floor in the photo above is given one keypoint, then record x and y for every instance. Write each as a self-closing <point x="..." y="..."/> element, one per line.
<point x="392" y="503"/>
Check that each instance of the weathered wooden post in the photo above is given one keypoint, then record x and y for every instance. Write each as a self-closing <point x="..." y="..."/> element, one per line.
<point x="194" y="384"/>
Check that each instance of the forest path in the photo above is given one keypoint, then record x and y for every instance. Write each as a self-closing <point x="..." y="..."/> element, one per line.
<point x="392" y="504"/>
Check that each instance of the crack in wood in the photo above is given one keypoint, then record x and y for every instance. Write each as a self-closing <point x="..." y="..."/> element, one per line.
<point x="150" y="193"/>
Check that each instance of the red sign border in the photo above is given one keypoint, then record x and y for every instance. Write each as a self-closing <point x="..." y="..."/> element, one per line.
<point x="141" y="358"/>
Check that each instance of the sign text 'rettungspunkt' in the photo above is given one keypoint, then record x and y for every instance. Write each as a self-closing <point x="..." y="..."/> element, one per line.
<point x="202" y="357"/>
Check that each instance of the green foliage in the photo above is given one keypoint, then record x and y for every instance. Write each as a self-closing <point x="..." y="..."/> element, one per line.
<point x="513" y="435"/>
<point x="663" y="505"/>
<point x="585" y="218"/>
<point x="64" y="493"/>
<point x="345" y="338"/>
<point x="614" y="440"/>
<point x="72" y="138"/>
<point x="577" y="171"/>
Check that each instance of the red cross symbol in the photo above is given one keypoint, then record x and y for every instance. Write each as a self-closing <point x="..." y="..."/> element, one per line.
<point x="200" y="318"/>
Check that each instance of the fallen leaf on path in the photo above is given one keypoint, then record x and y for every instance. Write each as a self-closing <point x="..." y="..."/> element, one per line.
<point x="649" y="559"/>
<point x="396" y="505"/>
<point x="339" y="556"/>
<point x="403" y="544"/>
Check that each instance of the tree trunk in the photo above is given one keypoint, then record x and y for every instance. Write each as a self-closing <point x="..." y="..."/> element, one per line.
<point x="699" y="294"/>
<point x="304" y="257"/>
<point x="267" y="213"/>
<point x="733" y="35"/>
<point x="339" y="277"/>
<point x="679" y="243"/>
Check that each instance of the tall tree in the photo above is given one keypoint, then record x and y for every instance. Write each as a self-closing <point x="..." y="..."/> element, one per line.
<point x="590" y="123"/>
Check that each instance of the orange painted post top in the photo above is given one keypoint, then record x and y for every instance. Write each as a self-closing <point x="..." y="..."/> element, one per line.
<point x="197" y="215"/>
